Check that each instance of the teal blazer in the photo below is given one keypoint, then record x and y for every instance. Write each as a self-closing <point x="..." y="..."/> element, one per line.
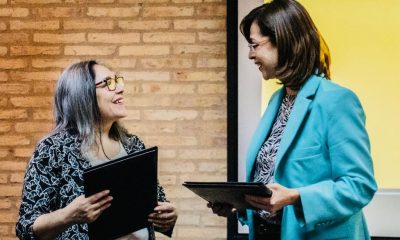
<point x="325" y="154"/>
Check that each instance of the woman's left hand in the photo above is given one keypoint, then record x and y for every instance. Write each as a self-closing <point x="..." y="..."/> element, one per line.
<point x="164" y="216"/>
<point x="281" y="197"/>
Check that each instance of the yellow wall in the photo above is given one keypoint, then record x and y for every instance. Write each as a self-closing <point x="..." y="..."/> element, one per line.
<point x="364" y="40"/>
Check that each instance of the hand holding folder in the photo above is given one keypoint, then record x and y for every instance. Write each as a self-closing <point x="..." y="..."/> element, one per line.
<point x="231" y="193"/>
<point x="132" y="181"/>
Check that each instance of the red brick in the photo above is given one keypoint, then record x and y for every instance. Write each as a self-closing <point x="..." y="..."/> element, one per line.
<point x="169" y="37"/>
<point x="35" y="76"/>
<point x="200" y="76"/>
<point x="199" y="49"/>
<point x="12" y="88"/>
<point x="3" y="178"/>
<point x="119" y="38"/>
<point x="13" y="140"/>
<point x="59" y="37"/>
<point x="91" y="1"/>
<point x="3" y="51"/>
<point x="34" y="50"/>
<point x="151" y="127"/>
<point x="48" y="12"/>
<point x="212" y="37"/>
<point x="115" y="63"/>
<point x="88" y="24"/>
<point x="208" y="62"/>
<point x="89" y="50"/>
<point x="3" y="77"/>
<point x="5" y="127"/>
<point x="177" y="167"/>
<point x="14" y="114"/>
<point x="29" y="127"/>
<point x="3" y="26"/>
<point x="170" y="115"/>
<point x="14" y="12"/>
<point x="207" y="128"/>
<point x="5" y="203"/>
<point x="17" y="177"/>
<point x="13" y="166"/>
<point x="147" y="76"/>
<point x="23" y="152"/>
<point x="168" y="12"/>
<point x="143" y="1"/>
<point x="37" y="25"/>
<point x="148" y="101"/>
<point x="14" y="38"/>
<point x="214" y="115"/>
<point x="36" y="1"/>
<point x="219" y="89"/>
<point x="211" y="10"/>
<point x="144" y="51"/>
<point x="44" y="87"/>
<point x="43" y="114"/>
<point x="113" y="12"/>
<point x="144" y="24"/>
<point x="9" y="191"/>
<point x="54" y="63"/>
<point x="186" y="1"/>
<point x="4" y="152"/>
<point x="4" y="230"/>
<point x="200" y="24"/>
<point x="158" y="88"/>
<point x="13" y="63"/>
<point x="157" y="63"/>
<point x="199" y="101"/>
<point x="33" y="102"/>
<point x="3" y="101"/>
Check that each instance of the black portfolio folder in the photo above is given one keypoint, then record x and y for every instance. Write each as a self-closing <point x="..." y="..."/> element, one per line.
<point x="132" y="181"/>
<point x="228" y="192"/>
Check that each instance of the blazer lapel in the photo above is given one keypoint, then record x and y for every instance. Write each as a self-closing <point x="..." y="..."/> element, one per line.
<point x="262" y="131"/>
<point x="299" y="111"/>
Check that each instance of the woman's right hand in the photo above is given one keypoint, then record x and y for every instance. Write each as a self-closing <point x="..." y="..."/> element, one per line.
<point x="221" y="209"/>
<point x="87" y="210"/>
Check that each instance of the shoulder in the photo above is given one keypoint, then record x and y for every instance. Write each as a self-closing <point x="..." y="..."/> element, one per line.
<point x="56" y="143"/>
<point x="133" y="143"/>
<point x="333" y="95"/>
<point x="337" y="100"/>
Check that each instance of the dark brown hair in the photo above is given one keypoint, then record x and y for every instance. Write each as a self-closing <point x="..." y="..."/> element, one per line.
<point x="301" y="49"/>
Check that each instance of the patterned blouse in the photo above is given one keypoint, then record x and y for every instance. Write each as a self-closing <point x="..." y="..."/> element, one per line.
<point x="54" y="178"/>
<point x="265" y="161"/>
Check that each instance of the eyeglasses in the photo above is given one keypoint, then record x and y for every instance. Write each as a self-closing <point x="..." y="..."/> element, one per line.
<point x="253" y="46"/>
<point x="111" y="82"/>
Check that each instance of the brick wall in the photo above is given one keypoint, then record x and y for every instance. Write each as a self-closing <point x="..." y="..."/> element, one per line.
<point x="172" y="54"/>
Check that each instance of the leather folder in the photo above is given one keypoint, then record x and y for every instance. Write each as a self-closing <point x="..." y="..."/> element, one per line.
<point x="132" y="181"/>
<point x="231" y="193"/>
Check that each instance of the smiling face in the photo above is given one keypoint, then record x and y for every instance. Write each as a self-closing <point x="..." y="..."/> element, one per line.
<point x="263" y="53"/>
<point x="111" y="103"/>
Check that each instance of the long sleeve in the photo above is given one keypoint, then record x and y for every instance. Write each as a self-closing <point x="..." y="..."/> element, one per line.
<point x="38" y="193"/>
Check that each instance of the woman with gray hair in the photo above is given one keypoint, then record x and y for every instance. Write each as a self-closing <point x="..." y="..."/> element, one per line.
<point x="88" y="104"/>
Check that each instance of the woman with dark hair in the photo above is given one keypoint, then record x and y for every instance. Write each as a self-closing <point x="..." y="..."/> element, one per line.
<point x="88" y="104"/>
<point x="311" y="147"/>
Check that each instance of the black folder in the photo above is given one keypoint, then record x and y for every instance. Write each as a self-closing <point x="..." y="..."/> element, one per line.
<point x="132" y="181"/>
<point x="231" y="193"/>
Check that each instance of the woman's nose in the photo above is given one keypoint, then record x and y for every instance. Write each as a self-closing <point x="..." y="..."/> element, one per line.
<point x="119" y="88"/>
<point x="251" y="54"/>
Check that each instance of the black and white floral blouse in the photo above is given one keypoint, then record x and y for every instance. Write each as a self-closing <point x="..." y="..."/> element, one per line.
<point x="54" y="178"/>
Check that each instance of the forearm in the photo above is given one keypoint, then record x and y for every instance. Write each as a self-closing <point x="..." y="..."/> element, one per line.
<point x="50" y="225"/>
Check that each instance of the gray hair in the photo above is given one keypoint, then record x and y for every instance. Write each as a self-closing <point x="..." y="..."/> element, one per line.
<point x="76" y="108"/>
